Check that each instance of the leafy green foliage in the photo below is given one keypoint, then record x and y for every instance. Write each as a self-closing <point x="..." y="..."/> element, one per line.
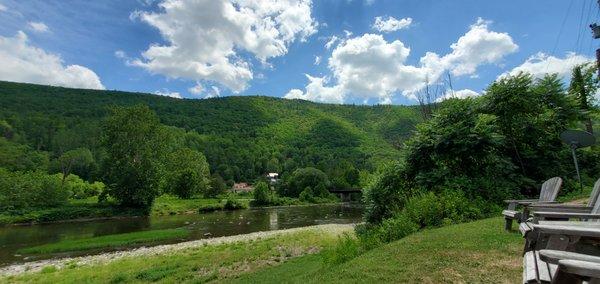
<point x="242" y="138"/>
<point x="20" y="190"/>
<point x="312" y="178"/>
<point x="233" y="204"/>
<point x="79" y="161"/>
<point x="135" y="149"/>
<point x="18" y="157"/>
<point x="217" y="186"/>
<point x="387" y="193"/>
<point x="188" y="173"/>
<point x="262" y="194"/>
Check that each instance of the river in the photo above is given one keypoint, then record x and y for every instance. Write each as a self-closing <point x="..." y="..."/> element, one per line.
<point x="205" y="225"/>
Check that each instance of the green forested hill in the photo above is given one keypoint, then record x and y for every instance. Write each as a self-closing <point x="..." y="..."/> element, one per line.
<point x="242" y="137"/>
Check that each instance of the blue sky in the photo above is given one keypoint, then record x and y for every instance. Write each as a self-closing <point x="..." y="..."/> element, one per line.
<point x="106" y="39"/>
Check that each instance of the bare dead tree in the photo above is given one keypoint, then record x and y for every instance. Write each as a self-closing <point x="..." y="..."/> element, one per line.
<point x="428" y="97"/>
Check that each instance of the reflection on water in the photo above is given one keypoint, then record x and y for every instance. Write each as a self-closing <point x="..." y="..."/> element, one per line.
<point x="216" y="224"/>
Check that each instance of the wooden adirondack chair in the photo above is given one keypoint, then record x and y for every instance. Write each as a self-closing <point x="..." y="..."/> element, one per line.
<point x="548" y="193"/>
<point x="561" y="207"/>
<point x="557" y="261"/>
<point x="589" y="219"/>
<point x="563" y="213"/>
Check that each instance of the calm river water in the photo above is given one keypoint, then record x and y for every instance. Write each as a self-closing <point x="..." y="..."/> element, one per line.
<point x="206" y="225"/>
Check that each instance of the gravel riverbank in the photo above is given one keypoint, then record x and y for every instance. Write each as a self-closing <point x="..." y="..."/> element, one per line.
<point x="60" y="263"/>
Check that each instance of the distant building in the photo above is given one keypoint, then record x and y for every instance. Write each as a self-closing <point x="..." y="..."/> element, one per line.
<point x="273" y="177"/>
<point x="242" y="187"/>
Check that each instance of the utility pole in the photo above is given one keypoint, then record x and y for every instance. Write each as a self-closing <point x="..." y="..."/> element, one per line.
<point x="596" y="34"/>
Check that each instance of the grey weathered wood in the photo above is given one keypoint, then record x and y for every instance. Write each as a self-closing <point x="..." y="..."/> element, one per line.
<point x="574" y="208"/>
<point x="581" y="231"/>
<point x="566" y="215"/>
<point x="580" y="268"/>
<point x="524" y="228"/>
<point x="548" y="193"/>
<point x="567" y="223"/>
<point x="595" y="194"/>
<point x="550" y="189"/>
<point x="529" y="268"/>
<point x="511" y="213"/>
<point x="553" y="256"/>
<point x="543" y="269"/>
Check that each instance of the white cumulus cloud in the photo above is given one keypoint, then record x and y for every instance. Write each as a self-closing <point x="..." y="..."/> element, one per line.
<point x="21" y="62"/>
<point x="204" y="37"/>
<point x="390" y="24"/>
<point x="541" y="64"/>
<point x="460" y="94"/>
<point x="317" y="91"/>
<point x="369" y="67"/>
<point x="38" y="27"/>
<point x="167" y="93"/>
<point x="3" y="8"/>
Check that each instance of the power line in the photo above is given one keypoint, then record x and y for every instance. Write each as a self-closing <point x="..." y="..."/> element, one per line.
<point x="562" y="25"/>
<point x="580" y="28"/>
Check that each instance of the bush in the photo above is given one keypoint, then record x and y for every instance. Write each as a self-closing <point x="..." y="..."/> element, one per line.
<point x="234" y="204"/>
<point x="307" y="195"/>
<point x="396" y="228"/>
<point x="346" y="248"/>
<point x="80" y="189"/>
<point x="387" y="193"/>
<point x="450" y="207"/>
<point x="20" y="190"/>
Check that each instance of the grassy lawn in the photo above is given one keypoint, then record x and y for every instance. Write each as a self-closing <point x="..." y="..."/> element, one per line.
<point x="477" y="252"/>
<point x="108" y="241"/>
<point x="208" y="263"/>
<point x="473" y="252"/>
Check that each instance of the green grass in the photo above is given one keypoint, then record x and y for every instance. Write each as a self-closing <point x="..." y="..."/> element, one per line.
<point x="209" y="263"/>
<point x="477" y="252"/>
<point x="108" y="241"/>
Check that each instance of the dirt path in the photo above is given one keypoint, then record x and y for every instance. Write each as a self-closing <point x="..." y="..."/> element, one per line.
<point x="60" y="263"/>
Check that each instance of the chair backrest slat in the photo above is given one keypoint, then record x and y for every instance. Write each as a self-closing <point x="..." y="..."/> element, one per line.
<point x="550" y="189"/>
<point x="595" y="194"/>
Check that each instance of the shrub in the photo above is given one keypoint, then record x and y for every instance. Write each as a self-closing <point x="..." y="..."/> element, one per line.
<point x="431" y="210"/>
<point x="346" y="248"/>
<point x="234" y="204"/>
<point x="307" y="195"/>
<point x="80" y="189"/>
<point x="19" y="190"/>
<point x="387" y="193"/>
<point x="396" y="228"/>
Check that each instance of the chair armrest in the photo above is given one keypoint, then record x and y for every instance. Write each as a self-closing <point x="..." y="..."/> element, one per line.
<point x="580" y="231"/>
<point x="566" y="215"/>
<point x="522" y="201"/>
<point x="558" y="208"/>
<point x="581" y="268"/>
